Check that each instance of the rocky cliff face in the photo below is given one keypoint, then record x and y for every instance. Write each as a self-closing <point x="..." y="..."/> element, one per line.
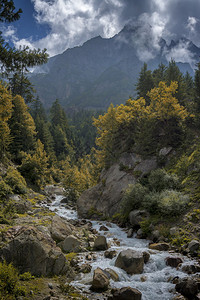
<point x="104" y="199"/>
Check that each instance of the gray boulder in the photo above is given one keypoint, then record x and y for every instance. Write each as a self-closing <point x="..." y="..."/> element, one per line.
<point x="71" y="244"/>
<point x="131" y="261"/>
<point x="136" y="216"/>
<point x="34" y="251"/>
<point x="59" y="228"/>
<point x="126" y="293"/>
<point x="188" y="287"/>
<point x="100" y="243"/>
<point x="193" y="246"/>
<point x="54" y="190"/>
<point x="100" y="280"/>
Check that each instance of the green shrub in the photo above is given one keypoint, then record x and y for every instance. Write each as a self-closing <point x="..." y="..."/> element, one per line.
<point x="150" y="202"/>
<point x="15" y="180"/>
<point x="172" y="203"/>
<point x="5" y="190"/>
<point x="9" y="282"/>
<point x="26" y="276"/>
<point x="160" y="180"/>
<point x="133" y="198"/>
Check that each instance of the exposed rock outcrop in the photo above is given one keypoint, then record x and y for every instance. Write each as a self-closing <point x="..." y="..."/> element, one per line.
<point x="104" y="199"/>
<point x="34" y="251"/>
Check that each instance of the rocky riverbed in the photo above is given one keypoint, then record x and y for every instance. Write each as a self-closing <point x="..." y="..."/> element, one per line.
<point x="130" y="267"/>
<point x="91" y="259"/>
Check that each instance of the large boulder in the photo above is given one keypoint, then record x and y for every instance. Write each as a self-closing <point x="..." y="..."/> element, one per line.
<point x="71" y="244"/>
<point x="131" y="261"/>
<point x="173" y="261"/>
<point x="100" y="243"/>
<point x="104" y="199"/>
<point x="34" y="251"/>
<point x="126" y="293"/>
<point x="136" y="216"/>
<point x="193" y="246"/>
<point x="54" y="190"/>
<point x="100" y="280"/>
<point x="159" y="246"/>
<point x="188" y="287"/>
<point x="59" y="228"/>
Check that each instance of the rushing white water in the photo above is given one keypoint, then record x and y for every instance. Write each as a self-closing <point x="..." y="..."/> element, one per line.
<point x="155" y="281"/>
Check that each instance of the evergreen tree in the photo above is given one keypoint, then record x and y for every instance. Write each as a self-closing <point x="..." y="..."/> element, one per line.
<point x="197" y="87"/>
<point x="145" y="83"/>
<point x="174" y="74"/>
<point x="22" y="128"/>
<point x="159" y="74"/>
<point x="42" y="126"/>
<point x="60" y="131"/>
<point x="17" y="61"/>
<point x="5" y="115"/>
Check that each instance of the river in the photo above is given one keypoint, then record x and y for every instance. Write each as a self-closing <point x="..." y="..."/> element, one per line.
<point x="155" y="281"/>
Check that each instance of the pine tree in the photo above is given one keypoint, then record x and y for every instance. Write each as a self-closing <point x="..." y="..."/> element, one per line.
<point x="22" y="128"/>
<point x="145" y="83"/>
<point x="5" y="115"/>
<point x="17" y="61"/>
<point x="197" y="87"/>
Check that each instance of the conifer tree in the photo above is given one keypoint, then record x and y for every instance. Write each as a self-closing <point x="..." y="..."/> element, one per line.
<point x="22" y="128"/>
<point x="145" y="83"/>
<point x="5" y="115"/>
<point x="197" y="87"/>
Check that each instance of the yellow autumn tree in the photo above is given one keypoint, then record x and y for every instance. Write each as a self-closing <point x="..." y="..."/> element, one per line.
<point x="5" y="114"/>
<point x="139" y="127"/>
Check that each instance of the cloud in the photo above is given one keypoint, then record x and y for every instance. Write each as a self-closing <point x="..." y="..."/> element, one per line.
<point x="71" y="23"/>
<point x="181" y="53"/>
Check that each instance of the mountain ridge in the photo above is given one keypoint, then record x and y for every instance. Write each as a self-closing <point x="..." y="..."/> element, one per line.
<point x="103" y="70"/>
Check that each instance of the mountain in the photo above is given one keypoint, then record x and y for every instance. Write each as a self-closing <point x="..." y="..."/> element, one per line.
<point x="102" y="70"/>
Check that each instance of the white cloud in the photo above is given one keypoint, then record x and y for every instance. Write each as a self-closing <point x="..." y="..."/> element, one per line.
<point x="181" y="53"/>
<point x="191" y="23"/>
<point x="73" y="22"/>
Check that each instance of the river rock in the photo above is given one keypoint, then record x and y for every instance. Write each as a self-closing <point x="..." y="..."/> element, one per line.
<point x="34" y="251"/>
<point x="173" y="261"/>
<point x="59" y="228"/>
<point x="71" y="244"/>
<point x="110" y="254"/>
<point x="188" y="287"/>
<point x="136" y="216"/>
<point x="21" y="205"/>
<point x="146" y="256"/>
<point x="104" y="199"/>
<point x="159" y="246"/>
<point x="130" y="233"/>
<point x="131" y="261"/>
<point x="85" y="268"/>
<point x="54" y="190"/>
<point x="103" y="228"/>
<point x="112" y="274"/>
<point x="126" y="293"/>
<point x="191" y="269"/>
<point x="100" y="280"/>
<point x="193" y="246"/>
<point x="100" y="243"/>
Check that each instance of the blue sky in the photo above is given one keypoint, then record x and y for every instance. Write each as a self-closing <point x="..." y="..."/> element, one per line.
<point x="61" y="24"/>
<point x="27" y="26"/>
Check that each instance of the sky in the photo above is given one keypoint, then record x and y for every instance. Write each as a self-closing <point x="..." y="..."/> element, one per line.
<point x="61" y="24"/>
